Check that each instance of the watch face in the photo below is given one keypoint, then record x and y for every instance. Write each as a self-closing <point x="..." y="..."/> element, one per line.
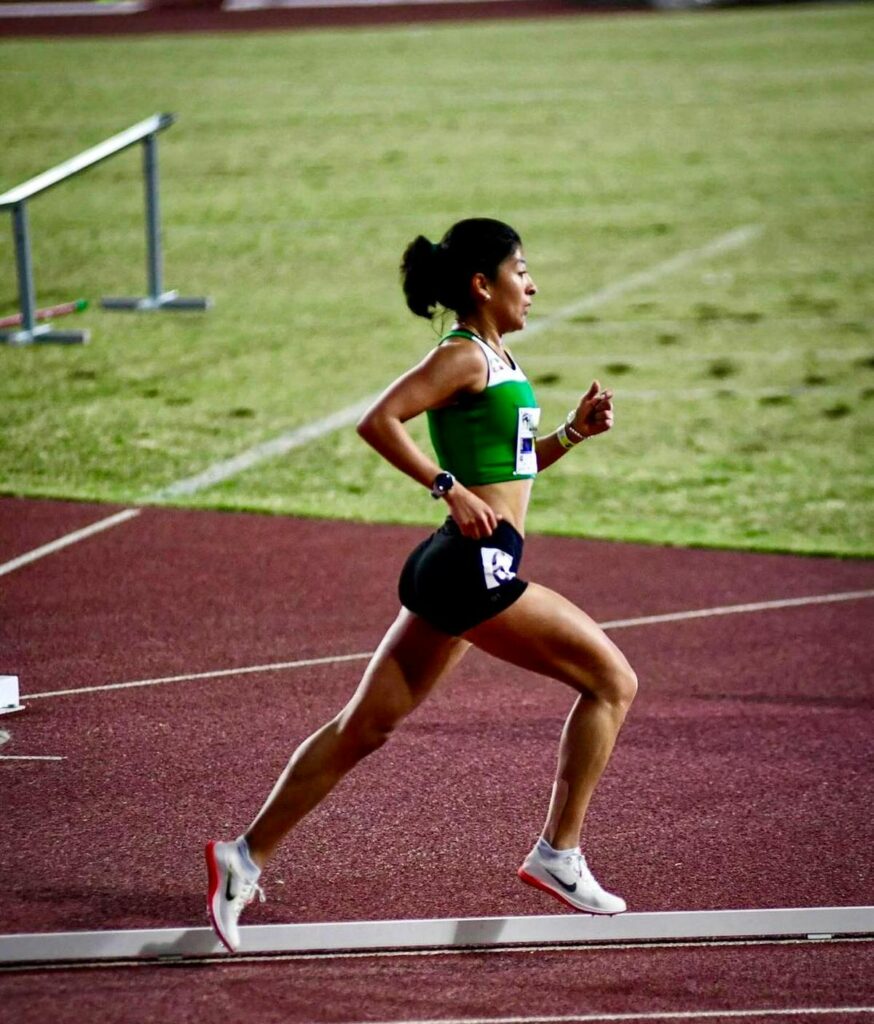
<point x="442" y="484"/>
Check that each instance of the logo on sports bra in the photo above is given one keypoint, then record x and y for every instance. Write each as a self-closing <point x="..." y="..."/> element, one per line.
<point x="497" y="567"/>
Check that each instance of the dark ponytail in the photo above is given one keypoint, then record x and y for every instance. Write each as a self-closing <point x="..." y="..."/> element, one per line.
<point x="420" y="277"/>
<point x="440" y="275"/>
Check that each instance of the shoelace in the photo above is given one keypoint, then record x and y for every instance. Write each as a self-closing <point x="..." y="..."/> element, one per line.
<point x="585" y="873"/>
<point x="247" y="893"/>
<point x="577" y="864"/>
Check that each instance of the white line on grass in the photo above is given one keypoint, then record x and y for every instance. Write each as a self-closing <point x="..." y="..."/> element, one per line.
<point x="789" y="602"/>
<point x="68" y="539"/>
<point x="292" y="439"/>
<point x="266" y="450"/>
<point x="658" y="356"/>
<point x="724" y="243"/>
<point x="726" y="390"/>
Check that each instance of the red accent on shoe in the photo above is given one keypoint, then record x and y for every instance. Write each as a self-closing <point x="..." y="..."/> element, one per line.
<point x="212" y="890"/>
<point x="531" y="880"/>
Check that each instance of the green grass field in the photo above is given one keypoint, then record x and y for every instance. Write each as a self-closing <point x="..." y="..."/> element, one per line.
<point x="302" y="164"/>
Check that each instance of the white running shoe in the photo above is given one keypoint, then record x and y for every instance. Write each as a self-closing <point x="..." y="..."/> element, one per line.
<point x="231" y="889"/>
<point x="569" y="879"/>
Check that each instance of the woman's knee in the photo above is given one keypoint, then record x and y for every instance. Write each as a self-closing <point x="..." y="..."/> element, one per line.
<point x="617" y="684"/>
<point x="626" y="687"/>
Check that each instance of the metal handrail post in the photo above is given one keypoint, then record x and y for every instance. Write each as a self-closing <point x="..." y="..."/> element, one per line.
<point x="156" y="298"/>
<point x="26" y="292"/>
<point x="154" y="262"/>
<point x="29" y="330"/>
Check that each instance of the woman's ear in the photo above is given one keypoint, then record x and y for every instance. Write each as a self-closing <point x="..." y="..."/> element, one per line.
<point x="479" y="287"/>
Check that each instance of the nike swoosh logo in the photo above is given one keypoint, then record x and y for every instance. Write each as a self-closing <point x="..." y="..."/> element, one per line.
<point x="564" y="885"/>
<point x="229" y="894"/>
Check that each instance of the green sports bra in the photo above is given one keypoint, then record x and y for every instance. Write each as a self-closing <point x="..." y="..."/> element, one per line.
<point x="489" y="437"/>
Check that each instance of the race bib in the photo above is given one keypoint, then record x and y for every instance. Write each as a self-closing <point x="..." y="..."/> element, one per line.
<point x="526" y="435"/>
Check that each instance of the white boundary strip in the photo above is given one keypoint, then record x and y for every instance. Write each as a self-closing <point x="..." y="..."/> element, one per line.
<point x="443" y="933"/>
<point x="228" y="468"/>
<point x="277" y="666"/>
<point x="68" y="539"/>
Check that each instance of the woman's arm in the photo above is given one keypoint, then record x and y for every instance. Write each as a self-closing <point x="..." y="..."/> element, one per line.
<point x="448" y="370"/>
<point x="593" y="415"/>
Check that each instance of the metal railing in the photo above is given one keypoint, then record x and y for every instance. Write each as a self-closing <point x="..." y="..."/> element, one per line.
<point x="16" y="199"/>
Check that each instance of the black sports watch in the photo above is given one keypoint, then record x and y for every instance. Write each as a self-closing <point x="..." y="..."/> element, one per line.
<point x="442" y="485"/>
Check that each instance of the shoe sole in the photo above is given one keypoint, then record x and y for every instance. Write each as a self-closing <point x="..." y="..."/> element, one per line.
<point x="537" y="884"/>
<point x="212" y="892"/>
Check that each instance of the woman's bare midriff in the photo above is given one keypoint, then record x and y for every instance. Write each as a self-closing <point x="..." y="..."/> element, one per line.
<point x="509" y="500"/>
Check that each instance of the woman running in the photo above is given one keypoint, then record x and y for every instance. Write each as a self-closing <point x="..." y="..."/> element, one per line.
<point x="460" y="587"/>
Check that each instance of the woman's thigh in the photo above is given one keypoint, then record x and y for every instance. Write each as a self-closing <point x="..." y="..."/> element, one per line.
<point x="545" y="633"/>
<point x="406" y="666"/>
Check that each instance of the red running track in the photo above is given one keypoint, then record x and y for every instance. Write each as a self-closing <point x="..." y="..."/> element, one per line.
<point x="742" y="779"/>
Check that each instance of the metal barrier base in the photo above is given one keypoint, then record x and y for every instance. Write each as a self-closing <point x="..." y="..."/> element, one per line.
<point x="44" y="333"/>
<point x="167" y="300"/>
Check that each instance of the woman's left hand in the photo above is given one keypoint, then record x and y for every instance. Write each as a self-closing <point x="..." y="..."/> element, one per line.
<point x="594" y="414"/>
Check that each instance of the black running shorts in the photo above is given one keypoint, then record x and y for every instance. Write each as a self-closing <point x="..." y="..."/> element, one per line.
<point x="455" y="583"/>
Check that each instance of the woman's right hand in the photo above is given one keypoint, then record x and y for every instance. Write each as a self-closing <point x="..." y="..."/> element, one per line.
<point x="473" y="516"/>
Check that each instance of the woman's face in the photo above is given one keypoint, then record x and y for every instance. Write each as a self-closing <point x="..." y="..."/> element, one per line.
<point x="511" y="293"/>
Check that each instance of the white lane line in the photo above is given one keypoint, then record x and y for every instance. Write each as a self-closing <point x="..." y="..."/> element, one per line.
<point x="292" y="439"/>
<point x="478" y="951"/>
<point x="217" y="674"/>
<point x="30" y="757"/>
<point x="650" y="1015"/>
<point x="68" y="539"/>
<point x="789" y="602"/>
<point x="739" y="609"/>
